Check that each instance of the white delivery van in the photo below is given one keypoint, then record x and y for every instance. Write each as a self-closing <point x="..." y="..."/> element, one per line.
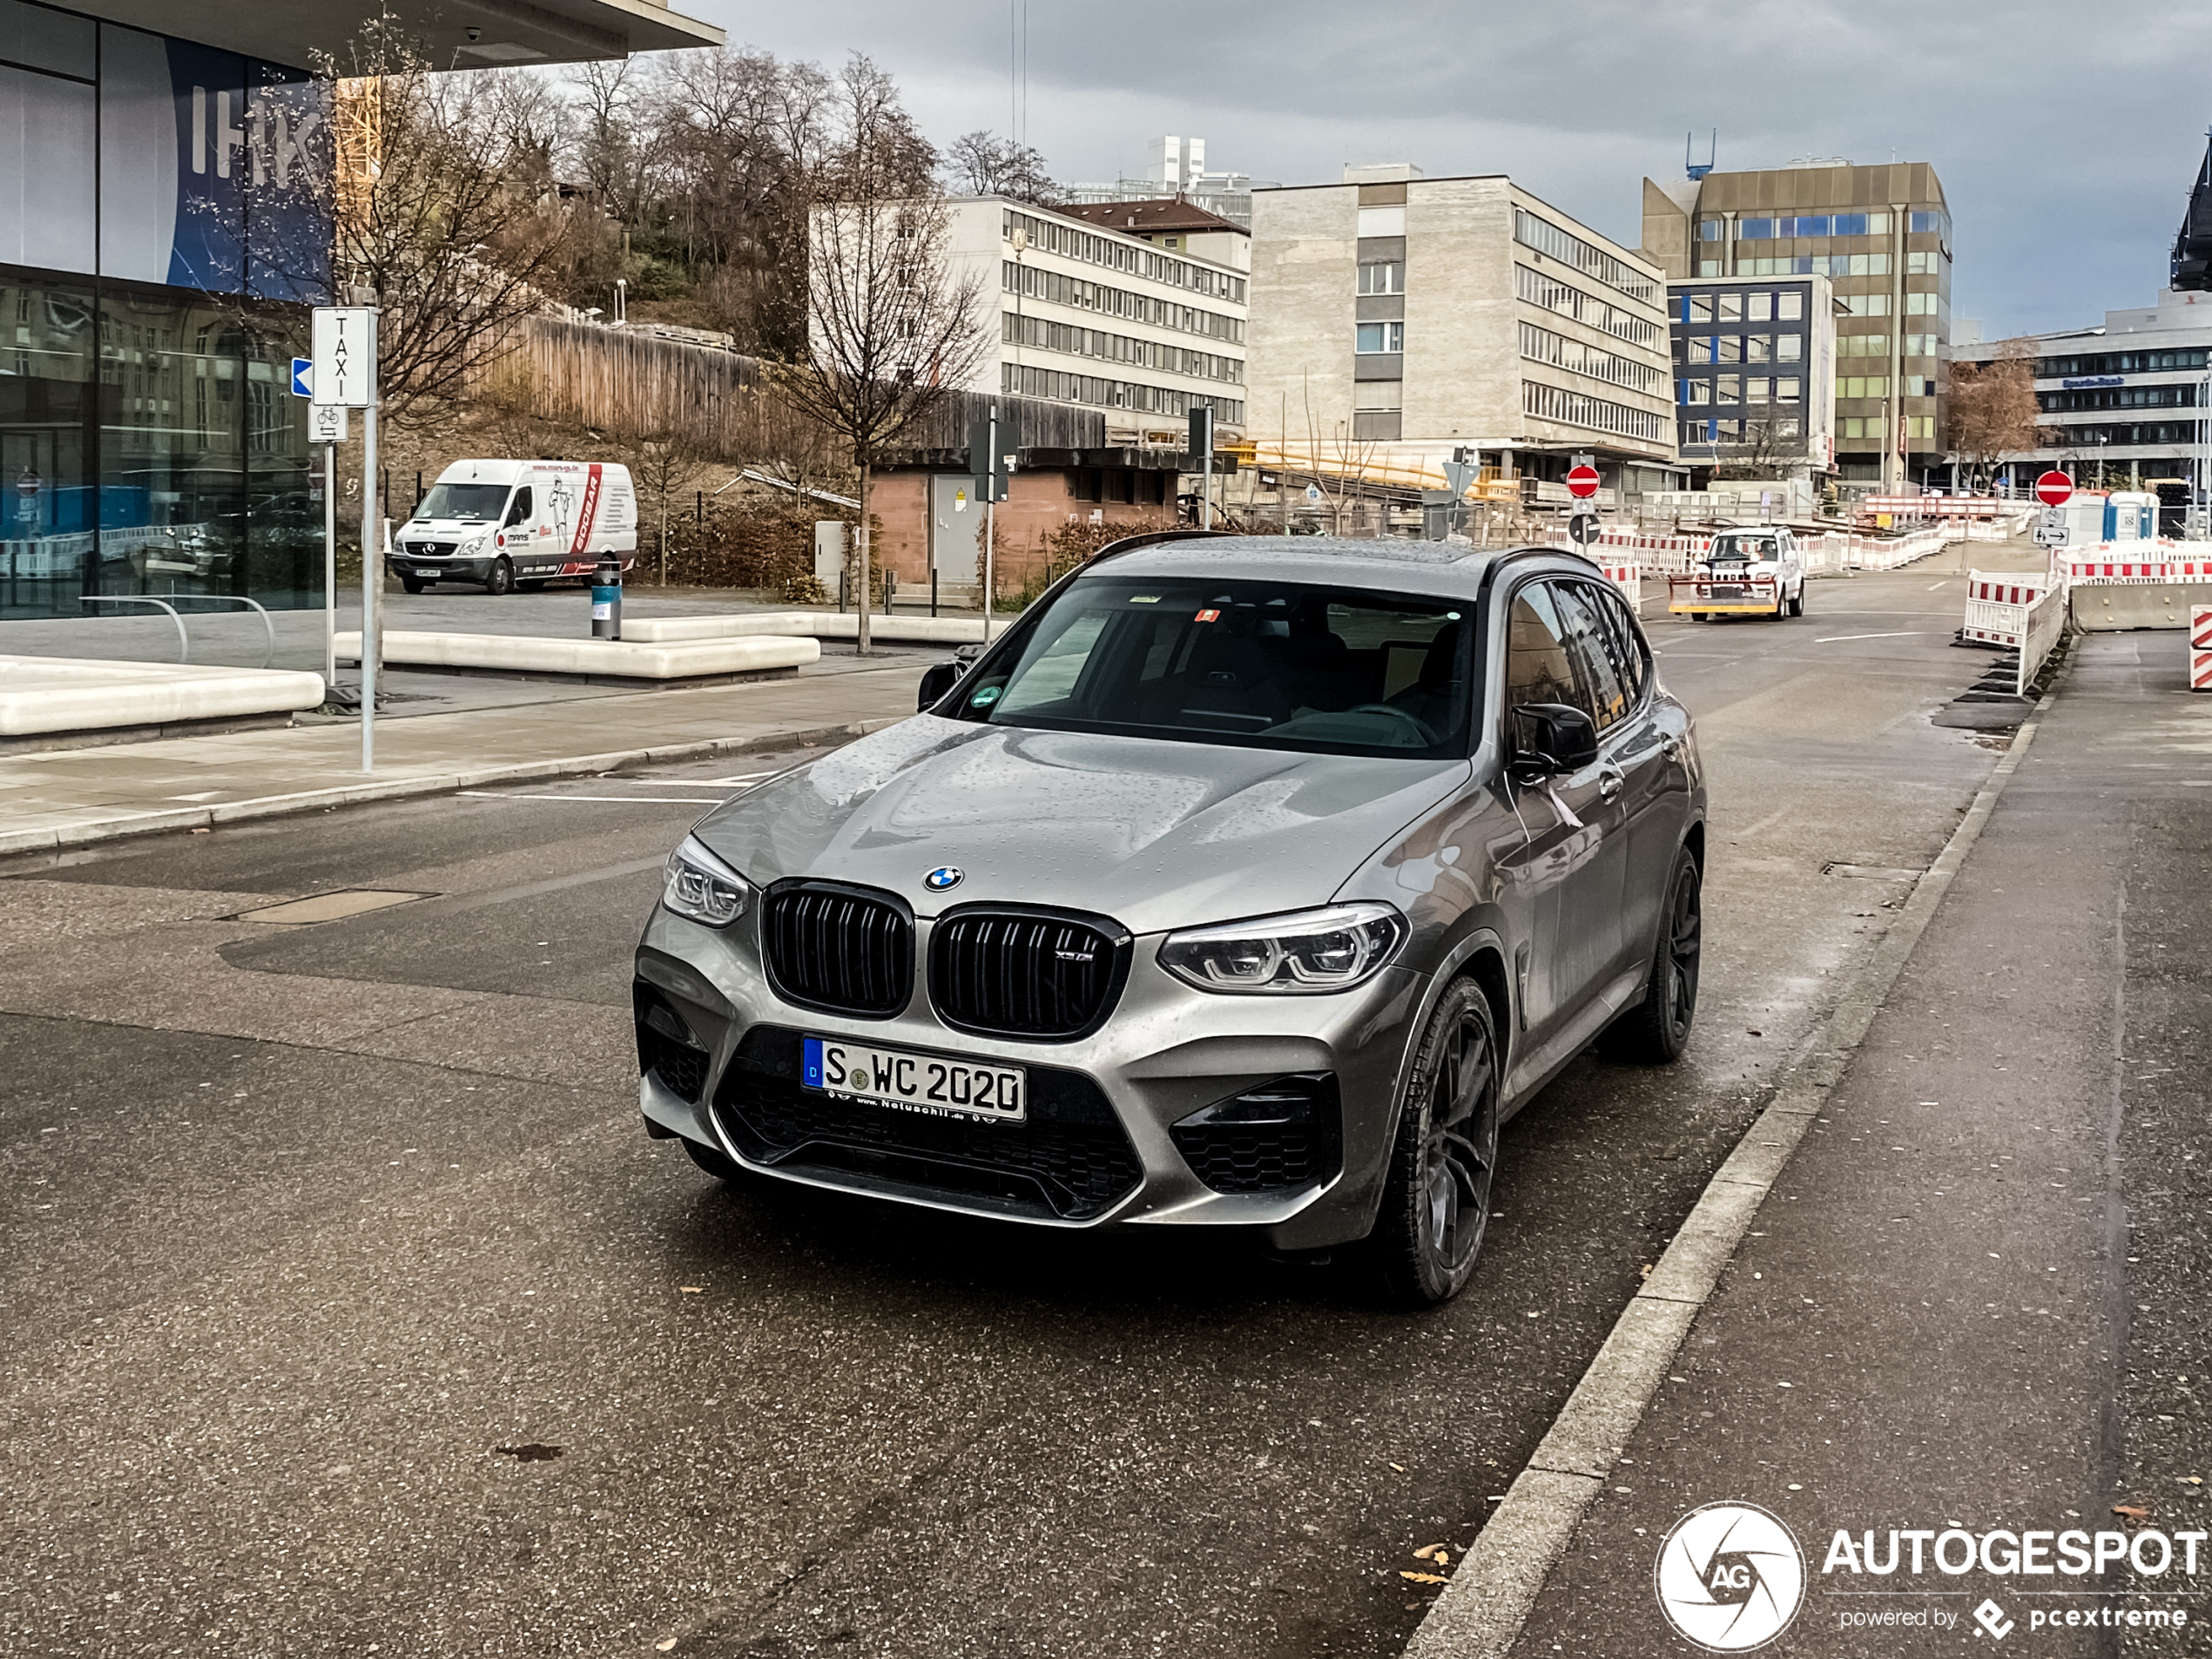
<point x="505" y="524"/>
<point x="1767" y="554"/>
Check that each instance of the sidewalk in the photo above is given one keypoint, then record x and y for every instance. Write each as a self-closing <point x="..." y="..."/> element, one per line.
<point x="62" y="797"/>
<point x="1976" y="1298"/>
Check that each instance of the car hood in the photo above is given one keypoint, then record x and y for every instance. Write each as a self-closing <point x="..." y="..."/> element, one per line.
<point x="1156" y="834"/>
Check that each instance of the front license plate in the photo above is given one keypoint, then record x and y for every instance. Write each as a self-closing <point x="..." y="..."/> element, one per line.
<point x="913" y="1082"/>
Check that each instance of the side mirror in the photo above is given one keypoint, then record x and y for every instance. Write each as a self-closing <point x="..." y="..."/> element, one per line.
<point x="1552" y="737"/>
<point x="937" y="679"/>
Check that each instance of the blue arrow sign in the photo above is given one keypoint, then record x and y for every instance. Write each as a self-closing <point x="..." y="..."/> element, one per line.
<point x="303" y="377"/>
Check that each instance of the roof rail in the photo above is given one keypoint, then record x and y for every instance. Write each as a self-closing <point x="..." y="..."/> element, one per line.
<point x="1153" y="538"/>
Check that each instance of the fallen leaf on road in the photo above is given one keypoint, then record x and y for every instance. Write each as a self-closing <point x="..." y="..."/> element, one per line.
<point x="1426" y="1551"/>
<point x="2131" y="1511"/>
<point x="1399" y="1467"/>
<point x="1421" y="1578"/>
<point x="692" y="1290"/>
<point x="663" y="1646"/>
<point x="1645" y="1269"/>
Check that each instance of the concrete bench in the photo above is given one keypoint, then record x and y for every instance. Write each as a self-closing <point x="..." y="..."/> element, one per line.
<point x="40" y="695"/>
<point x="529" y="655"/>
<point x="816" y="625"/>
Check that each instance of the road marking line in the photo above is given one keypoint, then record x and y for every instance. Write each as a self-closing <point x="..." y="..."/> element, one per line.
<point x="1481" y="1611"/>
<point x="694" y="783"/>
<point x="634" y="801"/>
<point x="1837" y="639"/>
<point x="1933" y="586"/>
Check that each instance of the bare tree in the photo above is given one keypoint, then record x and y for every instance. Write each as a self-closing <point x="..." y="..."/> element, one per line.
<point x="1993" y="406"/>
<point x="443" y="206"/>
<point x="894" y="323"/>
<point x="979" y="163"/>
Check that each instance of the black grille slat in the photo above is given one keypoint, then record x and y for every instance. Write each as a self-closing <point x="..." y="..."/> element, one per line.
<point x="838" y="950"/>
<point x="1026" y="975"/>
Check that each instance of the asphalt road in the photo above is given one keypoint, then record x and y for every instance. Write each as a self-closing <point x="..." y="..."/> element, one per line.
<point x="347" y="1309"/>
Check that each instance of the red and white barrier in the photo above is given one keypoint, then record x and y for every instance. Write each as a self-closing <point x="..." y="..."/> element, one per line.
<point x="2201" y="648"/>
<point x="1997" y="605"/>
<point x="1628" y="578"/>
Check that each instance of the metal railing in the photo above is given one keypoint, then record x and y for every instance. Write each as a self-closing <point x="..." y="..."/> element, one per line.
<point x="184" y="639"/>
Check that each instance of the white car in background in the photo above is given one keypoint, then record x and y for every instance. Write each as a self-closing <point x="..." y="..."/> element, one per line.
<point x="1768" y="553"/>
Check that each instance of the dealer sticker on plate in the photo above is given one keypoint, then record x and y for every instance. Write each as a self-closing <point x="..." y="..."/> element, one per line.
<point x="913" y="1082"/>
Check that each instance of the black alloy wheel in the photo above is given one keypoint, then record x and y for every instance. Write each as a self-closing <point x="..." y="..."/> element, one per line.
<point x="1656" y="1030"/>
<point x="413" y="583"/>
<point x="1436" y="1202"/>
<point x="500" y="582"/>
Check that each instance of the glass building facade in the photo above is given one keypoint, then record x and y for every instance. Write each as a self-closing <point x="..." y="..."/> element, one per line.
<point x="163" y="232"/>
<point x="1881" y="235"/>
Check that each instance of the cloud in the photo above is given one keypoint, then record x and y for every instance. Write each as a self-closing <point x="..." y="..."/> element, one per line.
<point x="2066" y="152"/>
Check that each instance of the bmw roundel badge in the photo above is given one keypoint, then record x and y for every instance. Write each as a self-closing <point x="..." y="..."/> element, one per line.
<point x="941" y="880"/>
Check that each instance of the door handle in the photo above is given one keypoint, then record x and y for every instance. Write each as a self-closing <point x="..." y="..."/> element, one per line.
<point x="1610" y="781"/>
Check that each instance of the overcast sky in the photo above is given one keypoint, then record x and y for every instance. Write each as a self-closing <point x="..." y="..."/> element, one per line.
<point x="2066" y="140"/>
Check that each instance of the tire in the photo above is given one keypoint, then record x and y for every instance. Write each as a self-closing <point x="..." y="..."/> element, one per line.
<point x="1797" y="604"/>
<point x="499" y="582"/>
<point x="713" y="1161"/>
<point x="413" y="583"/>
<point x="1656" y="1030"/>
<point x="1436" y="1200"/>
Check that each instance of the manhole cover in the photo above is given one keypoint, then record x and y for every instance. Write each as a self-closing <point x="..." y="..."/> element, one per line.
<point x="328" y="906"/>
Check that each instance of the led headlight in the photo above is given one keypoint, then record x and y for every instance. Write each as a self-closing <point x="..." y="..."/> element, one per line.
<point x="470" y="546"/>
<point x="1305" y="953"/>
<point x="700" y="886"/>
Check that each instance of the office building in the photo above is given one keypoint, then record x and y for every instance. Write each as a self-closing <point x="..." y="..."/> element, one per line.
<point x="2122" y="402"/>
<point x="164" y="229"/>
<point x="1755" y="375"/>
<point x="1177" y="166"/>
<point x="1404" y="318"/>
<point x="1882" y="236"/>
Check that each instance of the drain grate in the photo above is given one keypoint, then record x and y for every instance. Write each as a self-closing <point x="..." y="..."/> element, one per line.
<point x="329" y="906"/>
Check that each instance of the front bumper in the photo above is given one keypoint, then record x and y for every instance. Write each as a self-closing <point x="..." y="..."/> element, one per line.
<point x="1104" y="1105"/>
<point x="441" y="569"/>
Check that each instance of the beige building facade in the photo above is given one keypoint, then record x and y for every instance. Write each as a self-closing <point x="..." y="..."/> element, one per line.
<point x="1397" y="319"/>
<point x="1882" y="237"/>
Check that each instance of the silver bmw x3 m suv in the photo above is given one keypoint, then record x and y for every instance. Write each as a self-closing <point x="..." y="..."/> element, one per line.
<point x="1247" y="881"/>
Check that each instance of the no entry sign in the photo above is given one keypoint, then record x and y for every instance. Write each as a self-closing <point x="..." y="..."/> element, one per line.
<point x="2054" y="489"/>
<point x="1581" y="482"/>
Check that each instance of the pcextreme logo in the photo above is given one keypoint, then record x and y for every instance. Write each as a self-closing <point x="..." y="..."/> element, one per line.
<point x="1730" y="1577"/>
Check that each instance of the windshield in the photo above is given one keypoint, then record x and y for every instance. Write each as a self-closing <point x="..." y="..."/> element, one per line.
<point x="462" y="501"/>
<point x="1257" y="665"/>
<point x="1741" y="549"/>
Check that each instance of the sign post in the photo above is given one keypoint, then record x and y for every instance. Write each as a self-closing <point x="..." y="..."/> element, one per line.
<point x="2054" y="489"/>
<point x="1202" y="446"/>
<point x="344" y="375"/>
<point x="326" y="427"/>
<point x="988" y="441"/>
<point x="1582" y="483"/>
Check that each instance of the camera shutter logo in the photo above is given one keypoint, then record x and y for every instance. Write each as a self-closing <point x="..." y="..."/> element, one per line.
<point x="1730" y="1577"/>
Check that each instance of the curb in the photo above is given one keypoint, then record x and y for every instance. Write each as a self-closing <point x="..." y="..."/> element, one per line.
<point x="1481" y="1611"/>
<point x="238" y="812"/>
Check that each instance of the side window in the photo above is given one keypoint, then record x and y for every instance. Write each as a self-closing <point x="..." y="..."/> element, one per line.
<point x="521" y="511"/>
<point x="1540" y="667"/>
<point x="1633" y="657"/>
<point x="1594" y="650"/>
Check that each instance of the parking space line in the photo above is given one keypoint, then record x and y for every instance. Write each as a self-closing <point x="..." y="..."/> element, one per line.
<point x="1837" y="639"/>
<point x="1481" y="1611"/>
<point x="634" y="801"/>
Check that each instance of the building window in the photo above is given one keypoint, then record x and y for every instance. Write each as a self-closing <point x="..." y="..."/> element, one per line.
<point x="1729" y="348"/>
<point x="1921" y="305"/>
<point x="1383" y="276"/>
<point x="1708" y="267"/>
<point x="1701" y="308"/>
<point x="1789" y="348"/>
<point x="1698" y="391"/>
<point x="1922" y="261"/>
<point x="1758" y="348"/>
<point x="1368" y="395"/>
<point x="1868" y="427"/>
<point x="1701" y="348"/>
<point x="1708" y="230"/>
<point x="1731" y="307"/>
<point x="1938" y="223"/>
<point x="1919" y="426"/>
<point x="1921" y="386"/>
<point x="1758" y="307"/>
<point x="1787" y="426"/>
<point x="1757" y="390"/>
<point x="1866" y="305"/>
<point x="1727" y="388"/>
<point x="1789" y="390"/>
<point x="1600" y="414"/>
<point x="1925" y="345"/>
<point x="1569" y="249"/>
<point x="1380" y="336"/>
<point x="1870" y="345"/>
<point x="1731" y="431"/>
<point x="1790" y="306"/>
<point x="1863" y="386"/>
<point x="1378" y="425"/>
<point x="1545" y="347"/>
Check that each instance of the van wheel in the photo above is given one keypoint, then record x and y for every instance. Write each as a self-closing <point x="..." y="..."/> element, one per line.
<point x="413" y="583"/>
<point x="1797" y="604"/>
<point x="1436" y="1200"/>
<point x="500" y="582"/>
<point x="1656" y="1030"/>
